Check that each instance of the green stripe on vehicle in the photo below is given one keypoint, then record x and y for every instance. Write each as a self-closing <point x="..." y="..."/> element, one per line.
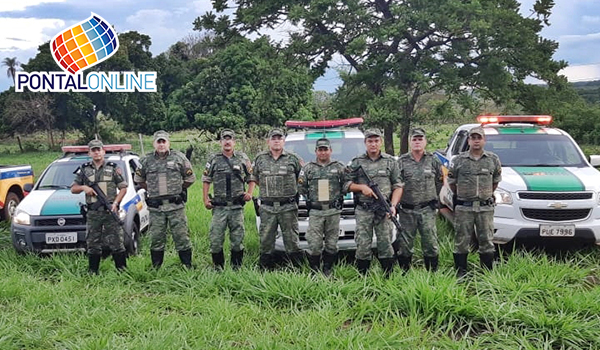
<point x="329" y="135"/>
<point x="62" y="202"/>
<point x="526" y="130"/>
<point x="549" y="179"/>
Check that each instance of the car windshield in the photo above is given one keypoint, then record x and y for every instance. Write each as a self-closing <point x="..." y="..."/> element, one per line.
<point x="60" y="175"/>
<point x="343" y="150"/>
<point x="534" y="150"/>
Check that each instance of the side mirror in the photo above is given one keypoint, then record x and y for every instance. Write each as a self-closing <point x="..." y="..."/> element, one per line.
<point x="595" y="160"/>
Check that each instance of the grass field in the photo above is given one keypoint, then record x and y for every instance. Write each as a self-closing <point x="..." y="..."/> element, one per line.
<point x="530" y="301"/>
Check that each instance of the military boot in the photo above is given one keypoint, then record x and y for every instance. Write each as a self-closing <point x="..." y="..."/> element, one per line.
<point x="236" y="259"/>
<point x="363" y="266"/>
<point x="487" y="261"/>
<point x="157" y="257"/>
<point x="405" y="262"/>
<point x="94" y="263"/>
<point x="314" y="261"/>
<point x="297" y="258"/>
<point x="431" y="263"/>
<point x="460" y="264"/>
<point x="266" y="262"/>
<point x="186" y="258"/>
<point x="120" y="260"/>
<point x="218" y="260"/>
<point x="328" y="262"/>
<point x="387" y="265"/>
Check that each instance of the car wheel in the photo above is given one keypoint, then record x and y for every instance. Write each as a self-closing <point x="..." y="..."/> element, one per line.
<point x="132" y="242"/>
<point x="10" y="205"/>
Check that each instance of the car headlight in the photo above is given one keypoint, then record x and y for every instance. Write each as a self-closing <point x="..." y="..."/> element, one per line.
<point x="22" y="218"/>
<point x="502" y="196"/>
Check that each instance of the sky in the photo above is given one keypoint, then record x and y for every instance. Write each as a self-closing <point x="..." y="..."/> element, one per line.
<point x="26" y="24"/>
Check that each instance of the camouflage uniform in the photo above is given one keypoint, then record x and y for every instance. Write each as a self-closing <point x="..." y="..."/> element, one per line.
<point x="109" y="178"/>
<point x="277" y="180"/>
<point x="474" y="211"/>
<point x="325" y="205"/>
<point x="228" y="176"/>
<point x="422" y="182"/>
<point x="369" y="217"/>
<point x="165" y="178"/>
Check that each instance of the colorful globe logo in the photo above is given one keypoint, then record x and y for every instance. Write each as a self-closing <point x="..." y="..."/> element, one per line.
<point x="85" y="44"/>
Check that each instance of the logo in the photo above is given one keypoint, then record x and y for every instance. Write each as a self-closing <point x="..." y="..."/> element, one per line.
<point x="558" y="205"/>
<point x="84" y="45"/>
<point x="61" y="221"/>
<point x="79" y="48"/>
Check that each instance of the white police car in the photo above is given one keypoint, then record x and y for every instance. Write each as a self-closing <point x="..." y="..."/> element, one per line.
<point x="49" y="219"/>
<point x="549" y="191"/>
<point x="347" y="141"/>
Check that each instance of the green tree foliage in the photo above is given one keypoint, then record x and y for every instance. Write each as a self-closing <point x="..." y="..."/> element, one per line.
<point x="245" y="83"/>
<point x="402" y="50"/>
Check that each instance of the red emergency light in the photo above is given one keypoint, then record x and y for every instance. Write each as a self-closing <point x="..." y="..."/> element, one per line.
<point x="323" y="124"/>
<point x="107" y="148"/>
<point x="506" y="119"/>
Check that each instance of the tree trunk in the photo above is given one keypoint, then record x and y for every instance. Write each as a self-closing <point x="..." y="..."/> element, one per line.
<point x="404" y="131"/>
<point x="19" y="141"/>
<point x="388" y="139"/>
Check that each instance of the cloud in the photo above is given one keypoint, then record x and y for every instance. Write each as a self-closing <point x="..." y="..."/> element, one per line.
<point x="21" y="5"/>
<point x="27" y="33"/>
<point x="590" y="19"/>
<point x="568" y="39"/>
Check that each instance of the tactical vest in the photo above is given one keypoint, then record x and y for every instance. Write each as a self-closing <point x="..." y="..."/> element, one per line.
<point x="164" y="176"/>
<point x="277" y="178"/>
<point x="475" y="178"/>
<point x="419" y="179"/>
<point x="325" y="182"/>
<point x="103" y="177"/>
<point x="228" y="181"/>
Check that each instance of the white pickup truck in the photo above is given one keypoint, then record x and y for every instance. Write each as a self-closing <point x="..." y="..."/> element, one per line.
<point x="549" y="190"/>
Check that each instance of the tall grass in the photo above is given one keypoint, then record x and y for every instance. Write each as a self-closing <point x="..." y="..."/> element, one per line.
<point x="529" y="301"/>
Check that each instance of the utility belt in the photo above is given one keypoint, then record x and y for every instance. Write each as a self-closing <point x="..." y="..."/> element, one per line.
<point x="96" y="206"/>
<point x="224" y="202"/>
<point x="271" y="202"/>
<point x="487" y="202"/>
<point x="370" y="206"/>
<point x="433" y="204"/>
<point x="335" y="204"/>
<point x="158" y="201"/>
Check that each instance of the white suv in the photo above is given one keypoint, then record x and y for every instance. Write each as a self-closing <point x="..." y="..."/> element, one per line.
<point x="549" y="191"/>
<point x="49" y="219"/>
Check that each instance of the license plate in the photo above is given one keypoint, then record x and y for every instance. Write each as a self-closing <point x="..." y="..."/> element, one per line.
<point x="61" y="237"/>
<point x="557" y="230"/>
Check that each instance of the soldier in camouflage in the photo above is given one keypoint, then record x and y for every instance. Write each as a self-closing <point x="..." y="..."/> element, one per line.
<point x="421" y="172"/>
<point x="276" y="172"/>
<point x="228" y="171"/>
<point x="101" y="227"/>
<point x="321" y="182"/>
<point x="166" y="174"/>
<point x="473" y="176"/>
<point x="383" y="169"/>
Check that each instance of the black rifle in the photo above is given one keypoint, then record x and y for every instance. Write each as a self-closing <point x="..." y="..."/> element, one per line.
<point x="256" y="206"/>
<point x="383" y="203"/>
<point x="106" y="204"/>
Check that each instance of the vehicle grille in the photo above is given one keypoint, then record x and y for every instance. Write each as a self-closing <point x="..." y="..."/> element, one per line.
<point x="54" y="222"/>
<point x="555" y="195"/>
<point x="556" y="214"/>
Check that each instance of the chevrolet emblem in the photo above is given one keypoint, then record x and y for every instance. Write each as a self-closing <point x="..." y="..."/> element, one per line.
<point x="558" y="205"/>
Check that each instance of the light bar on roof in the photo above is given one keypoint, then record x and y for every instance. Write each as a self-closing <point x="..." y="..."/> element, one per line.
<point x="108" y="148"/>
<point x="323" y="124"/>
<point x="505" y="119"/>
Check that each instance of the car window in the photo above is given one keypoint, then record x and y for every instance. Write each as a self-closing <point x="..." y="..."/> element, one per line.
<point x="61" y="174"/>
<point x="534" y="150"/>
<point x="343" y="150"/>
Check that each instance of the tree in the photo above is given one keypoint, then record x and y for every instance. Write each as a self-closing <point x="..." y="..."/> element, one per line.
<point x="401" y="50"/>
<point x="12" y="65"/>
<point x="245" y="83"/>
<point x="31" y="112"/>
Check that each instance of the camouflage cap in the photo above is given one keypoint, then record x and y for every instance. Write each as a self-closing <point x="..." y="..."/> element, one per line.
<point x="477" y="130"/>
<point x="276" y="132"/>
<point x="372" y="132"/>
<point x="417" y="132"/>
<point x="323" y="142"/>
<point x="227" y="132"/>
<point x="161" y="135"/>
<point x="95" y="144"/>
